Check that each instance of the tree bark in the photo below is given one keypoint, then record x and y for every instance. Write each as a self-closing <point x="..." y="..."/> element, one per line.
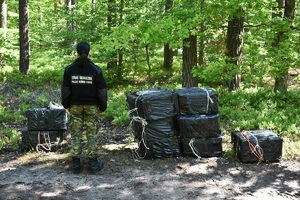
<point x="71" y="24"/>
<point x="3" y="18"/>
<point x="234" y="46"/>
<point x="281" y="82"/>
<point x="189" y="60"/>
<point x="112" y="64"/>
<point x="24" y="36"/>
<point x="168" y="52"/>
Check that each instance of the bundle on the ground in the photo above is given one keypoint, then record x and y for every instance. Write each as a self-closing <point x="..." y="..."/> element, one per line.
<point x="46" y="119"/>
<point x="44" y="127"/>
<point x="152" y="121"/>
<point x="257" y="145"/>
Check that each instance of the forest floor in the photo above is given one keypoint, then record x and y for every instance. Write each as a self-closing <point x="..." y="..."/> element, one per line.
<point x="46" y="175"/>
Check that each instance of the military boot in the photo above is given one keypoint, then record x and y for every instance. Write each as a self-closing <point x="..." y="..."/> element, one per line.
<point x="95" y="165"/>
<point x="76" y="166"/>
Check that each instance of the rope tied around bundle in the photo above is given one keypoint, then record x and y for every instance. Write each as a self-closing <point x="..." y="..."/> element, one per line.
<point x="208" y="99"/>
<point x="194" y="150"/>
<point x="255" y="149"/>
<point x="143" y="122"/>
<point x="47" y="145"/>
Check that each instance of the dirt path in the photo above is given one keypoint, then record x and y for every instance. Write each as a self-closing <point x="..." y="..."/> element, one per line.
<point x="47" y="176"/>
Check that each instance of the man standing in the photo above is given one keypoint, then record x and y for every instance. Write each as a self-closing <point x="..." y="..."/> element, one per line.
<point x="84" y="96"/>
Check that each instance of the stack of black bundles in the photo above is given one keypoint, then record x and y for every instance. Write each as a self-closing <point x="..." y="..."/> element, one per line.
<point x="198" y="122"/>
<point x="152" y="121"/>
<point x="44" y="126"/>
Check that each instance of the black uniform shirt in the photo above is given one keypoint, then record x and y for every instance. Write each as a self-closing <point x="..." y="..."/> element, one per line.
<point x="84" y="85"/>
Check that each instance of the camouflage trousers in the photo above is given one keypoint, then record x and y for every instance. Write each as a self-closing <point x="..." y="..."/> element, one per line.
<point x="84" y="117"/>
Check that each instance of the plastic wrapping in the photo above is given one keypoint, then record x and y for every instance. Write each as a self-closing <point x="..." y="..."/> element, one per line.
<point x="195" y="100"/>
<point x="46" y="119"/>
<point x="30" y="139"/>
<point x="159" y="148"/>
<point x="155" y="129"/>
<point x="157" y="138"/>
<point x="152" y="104"/>
<point x="203" y="147"/>
<point x="199" y="126"/>
<point x="268" y="141"/>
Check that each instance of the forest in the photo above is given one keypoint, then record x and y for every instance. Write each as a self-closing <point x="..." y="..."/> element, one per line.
<point x="247" y="50"/>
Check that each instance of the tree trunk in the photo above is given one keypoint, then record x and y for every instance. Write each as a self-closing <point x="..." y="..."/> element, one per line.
<point x="201" y="39"/>
<point x="281" y="82"/>
<point x="71" y="24"/>
<point x="3" y="18"/>
<point x="168" y="52"/>
<point x="112" y="64"/>
<point x="189" y="59"/>
<point x="121" y="55"/>
<point x="24" y="36"/>
<point x="168" y="57"/>
<point x="234" y="46"/>
<point x="149" y="66"/>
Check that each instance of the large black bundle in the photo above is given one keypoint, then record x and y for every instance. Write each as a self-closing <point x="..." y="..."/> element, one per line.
<point x="199" y="126"/>
<point x="156" y="138"/>
<point x="204" y="147"/>
<point x="155" y="129"/>
<point x="158" y="148"/>
<point x="195" y="100"/>
<point x="267" y="141"/>
<point x="43" y="140"/>
<point x="46" y="119"/>
<point x="152" y="104"/>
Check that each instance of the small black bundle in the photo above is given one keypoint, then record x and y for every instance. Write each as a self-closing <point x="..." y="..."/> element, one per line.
<point x="41" y="139"/>
<point x="46" y="119"/>
<point x="205" y="147"/>
<point x="199" y="126"/>
<point x="152" y="104"/>
<point x="195" y="100"/>
<point x="257" y="145"/>
<point x="44" y="127"/>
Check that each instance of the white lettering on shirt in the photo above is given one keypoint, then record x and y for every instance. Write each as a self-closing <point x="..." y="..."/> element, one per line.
<point x="82" y="79"/>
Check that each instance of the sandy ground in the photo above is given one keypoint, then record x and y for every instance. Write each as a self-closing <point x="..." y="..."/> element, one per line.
<point x="46" y="175"/>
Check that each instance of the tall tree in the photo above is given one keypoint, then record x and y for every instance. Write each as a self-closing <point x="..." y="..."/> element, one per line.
<point x="281" y="80"/>
<point x="234" y="46"/>
<point x="112" y="22"/>
<point x="201" y="38"/>
<point x="189" y="61"/>
<point x="71" y="24"/>
<point x="24" y="36"/>
<point x="3" y="18"/>
<point x="168" y="52"/>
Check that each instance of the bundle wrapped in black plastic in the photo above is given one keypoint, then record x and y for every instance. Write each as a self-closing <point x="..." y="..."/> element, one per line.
<point x="199" y="126"/>
<point x="46" y="119"/>
<point x="34" y="140"/>
<point x="156" y="129"/>
<point x="250" y="145"/>
<point x="156" y="139"/>
<point x="202" y="147"/>
<point x="158" y="148"/>
<point x="152" y="104"/>
<point x="197" y="100"/>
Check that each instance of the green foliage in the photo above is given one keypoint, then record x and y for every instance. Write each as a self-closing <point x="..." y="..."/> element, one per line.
<point x="117" y="108"/>
<point x="9" y="138"/>
<point x="261" y="108"/>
